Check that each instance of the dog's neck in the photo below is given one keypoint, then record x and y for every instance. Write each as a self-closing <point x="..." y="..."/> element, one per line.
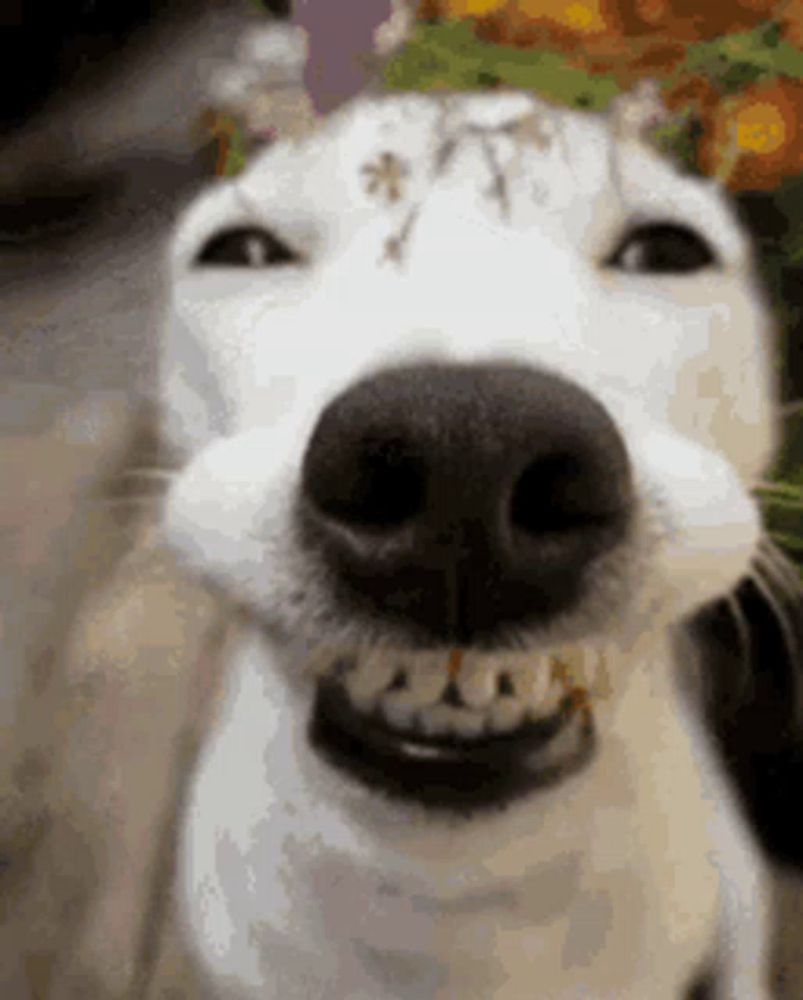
<point x="371" y="901"/>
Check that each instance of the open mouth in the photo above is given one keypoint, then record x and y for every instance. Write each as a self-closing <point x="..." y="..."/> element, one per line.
<point x="458" y="730"/>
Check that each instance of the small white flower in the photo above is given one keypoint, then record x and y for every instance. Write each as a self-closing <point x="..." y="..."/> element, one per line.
<point x="392" y="33"/>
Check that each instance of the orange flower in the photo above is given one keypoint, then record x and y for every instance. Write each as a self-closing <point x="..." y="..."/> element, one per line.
<point x="460" y="8"/>
<point x="754" y="139"/>
<point x="569" y="26"/>
<point x="581" y="17"/>
<point x="791" y="20"/>
<point x="692" y="20"/>
<point x="591" y="32"/>
<point x="565" y="24"/>
<point x="527" y="22"/>
<point x="427" y="10"/>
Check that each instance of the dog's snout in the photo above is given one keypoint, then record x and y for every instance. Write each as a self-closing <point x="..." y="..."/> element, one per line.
<point x="465" y="499"/>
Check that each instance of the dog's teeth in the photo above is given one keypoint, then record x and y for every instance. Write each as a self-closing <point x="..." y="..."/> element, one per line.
<point x="495" y="695"/>
<point x="530" y="679"/>
<point x="505" y="714"/>
<point x="400" y="714"/>
<point x="402" y="703"/>
<point x="468" y="723"/>
<point x="442" y="720"/>
<point x="582" y="662"/>
<point x="437" y="721"/>
<point x="476" y="683"/>
<point x="551" y="698"/>
<point x="369" y="679"/>
<point x="427" y="679"/>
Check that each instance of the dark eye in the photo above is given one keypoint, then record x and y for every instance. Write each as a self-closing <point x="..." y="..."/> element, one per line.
<point x="661" y="248"/>
<point x="247" y="246"/>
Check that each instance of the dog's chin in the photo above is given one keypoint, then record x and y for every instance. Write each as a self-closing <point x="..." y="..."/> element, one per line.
<point x="457" y="731"/>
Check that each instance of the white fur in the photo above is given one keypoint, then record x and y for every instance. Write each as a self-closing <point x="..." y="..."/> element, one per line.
<point x="624" y="879"/>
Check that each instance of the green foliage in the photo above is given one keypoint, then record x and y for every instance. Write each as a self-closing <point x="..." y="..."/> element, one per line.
<point x="677" y="139"/>
<point x="236" y="152"/>
<point x="449" y="55"/>
<point x="782" y="499"/>
<point x="732" y="61"/>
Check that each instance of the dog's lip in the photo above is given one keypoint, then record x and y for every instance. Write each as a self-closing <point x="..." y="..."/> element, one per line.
<point x="450" y="773"/>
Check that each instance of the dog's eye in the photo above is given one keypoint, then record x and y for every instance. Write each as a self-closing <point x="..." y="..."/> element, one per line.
<point x="661" y="248"/>
<point x="247" y="246"/>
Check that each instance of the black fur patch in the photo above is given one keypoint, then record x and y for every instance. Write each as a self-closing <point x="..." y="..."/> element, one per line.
<point x="752" y="646"/>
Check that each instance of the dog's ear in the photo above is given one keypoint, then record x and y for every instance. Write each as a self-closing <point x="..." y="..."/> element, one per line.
<point x="752" y="661"/>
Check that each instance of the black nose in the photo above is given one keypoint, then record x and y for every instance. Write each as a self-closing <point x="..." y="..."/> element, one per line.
<point x="461" y="501"/>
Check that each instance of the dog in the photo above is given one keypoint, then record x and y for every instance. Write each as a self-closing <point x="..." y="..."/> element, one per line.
<point x="471" y="395"/>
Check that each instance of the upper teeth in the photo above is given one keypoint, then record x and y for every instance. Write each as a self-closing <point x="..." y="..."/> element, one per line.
<point x="497" y="692"/>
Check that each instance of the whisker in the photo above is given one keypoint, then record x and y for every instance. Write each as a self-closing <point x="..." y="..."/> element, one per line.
<point x="741" y="678"/>
<point x="776" y="565"/>
<point x="739" y="620"/>
<point x="768" y="486"/>
<point x="781" y="613"/>
<point x="722" y="619"/>
<point x="770" y="569"/>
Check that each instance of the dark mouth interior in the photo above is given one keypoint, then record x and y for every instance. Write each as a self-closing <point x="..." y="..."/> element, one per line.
<point x="449" y="773"/>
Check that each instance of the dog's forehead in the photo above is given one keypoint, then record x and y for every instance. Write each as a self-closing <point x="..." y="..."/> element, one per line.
<point x="509" y="157"/>
<point x="396" y="147"/>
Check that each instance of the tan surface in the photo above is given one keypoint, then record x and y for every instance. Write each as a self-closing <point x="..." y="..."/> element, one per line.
<point x="119" y="682"/>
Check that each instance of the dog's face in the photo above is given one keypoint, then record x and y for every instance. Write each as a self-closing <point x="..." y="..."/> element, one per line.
<point x="470" y="390"/>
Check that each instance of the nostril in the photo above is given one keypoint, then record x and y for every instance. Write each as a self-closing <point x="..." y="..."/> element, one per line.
<point x="558" y="492"/>
<point x="544" y="496"/>
<point x="379" y="485"/>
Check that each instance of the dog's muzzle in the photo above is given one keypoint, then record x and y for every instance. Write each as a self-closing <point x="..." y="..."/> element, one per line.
<point x="460" y="503"/>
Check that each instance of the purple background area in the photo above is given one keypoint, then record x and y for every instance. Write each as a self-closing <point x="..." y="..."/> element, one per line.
<point x="340" y="46"/>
